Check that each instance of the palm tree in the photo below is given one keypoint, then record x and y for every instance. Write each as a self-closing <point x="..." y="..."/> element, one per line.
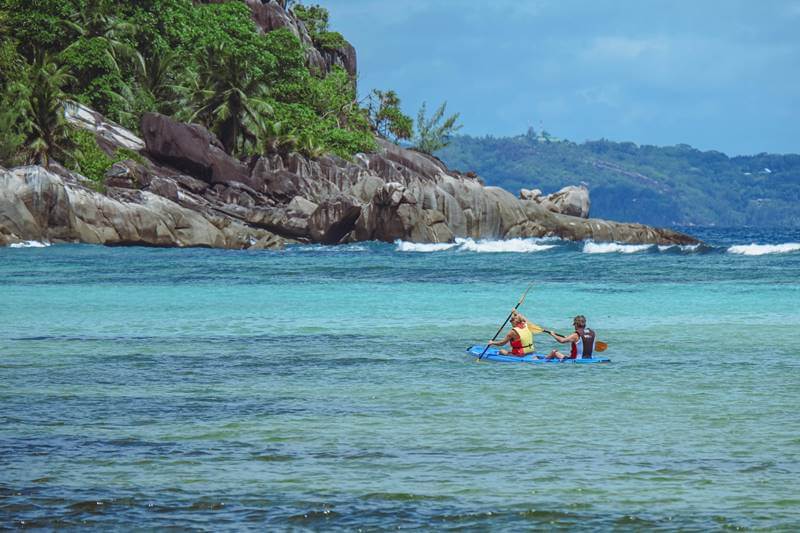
<point x="310" y="146"/>
<point x="228" y="99"/>
<point x="276" y="138"/>
<point x="42" y="113"/>
<point x="96" y="21"/>
<point x="158" y="78"/>
<point x="11" y="140"/>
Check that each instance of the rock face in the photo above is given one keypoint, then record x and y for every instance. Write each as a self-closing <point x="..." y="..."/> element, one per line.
<point x="191" y="148"/>
<point x="105" y="130"/>
<point x="570" y="200"/>
<point x="36" y="204"/>
<point x="186" y="191"/>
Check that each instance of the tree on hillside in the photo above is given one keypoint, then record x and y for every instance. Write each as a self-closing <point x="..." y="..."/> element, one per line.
<point x="98" y="21"/>
<point x="42" y="113"/>
<point x="434" y="133"/>
<point x="386" y="118"/>
<point x="228" y="100"/>
<point x="315" y="19"/>
<point x="277" y="138"/>
<point x="161" y="79"/>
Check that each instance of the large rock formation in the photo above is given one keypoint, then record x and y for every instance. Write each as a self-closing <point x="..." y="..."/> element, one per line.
<point x="36" y="204"/>
<point x="570" y="200"/>
<point x="186" y="191"/>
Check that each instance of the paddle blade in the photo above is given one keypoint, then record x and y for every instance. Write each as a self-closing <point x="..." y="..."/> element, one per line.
<point x="534" y="328"/>
<point x="600" y="346"/>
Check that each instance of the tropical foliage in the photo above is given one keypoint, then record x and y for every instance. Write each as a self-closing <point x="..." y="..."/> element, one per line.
<point x="229" y="97"/>
<point x="386" y="117"/>
<point x="41" y="117"/>
<point x="201" y="62"/>
<point x="315" y="19"/>
<point x="434" y="132"/>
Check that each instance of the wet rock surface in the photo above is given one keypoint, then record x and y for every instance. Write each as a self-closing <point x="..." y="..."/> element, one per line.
<point x="184" y="190"/>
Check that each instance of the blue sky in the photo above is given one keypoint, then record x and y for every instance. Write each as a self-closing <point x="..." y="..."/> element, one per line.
<point x="719" y="75"/>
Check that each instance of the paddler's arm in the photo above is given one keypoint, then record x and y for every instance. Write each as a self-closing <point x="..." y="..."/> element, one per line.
<point x="508" y="338"/>
<point x="563" y="340"/>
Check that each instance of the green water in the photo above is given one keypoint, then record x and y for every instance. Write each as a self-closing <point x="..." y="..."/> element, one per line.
<point x="327" y="388"/>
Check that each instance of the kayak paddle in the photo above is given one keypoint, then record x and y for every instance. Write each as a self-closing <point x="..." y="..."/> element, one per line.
<point x="524" y="294"/>
<point x="599" y="346"/>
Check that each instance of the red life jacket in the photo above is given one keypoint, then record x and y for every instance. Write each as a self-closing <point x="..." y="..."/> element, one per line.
<point x="584" y="346"/>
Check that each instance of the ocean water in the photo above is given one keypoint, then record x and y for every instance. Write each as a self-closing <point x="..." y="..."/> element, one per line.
<point x="326" y="388"/>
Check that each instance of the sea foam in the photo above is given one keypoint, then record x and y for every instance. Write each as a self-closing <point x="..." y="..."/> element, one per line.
<point x="328" y="248"/>
<point x="29" y="244"/>
<point x="681" y="247"/>
<point x="517" y="245"/>
<point x="761" y="249"/>
<point x="403" y="246"/>
<point x="613" y="247"/>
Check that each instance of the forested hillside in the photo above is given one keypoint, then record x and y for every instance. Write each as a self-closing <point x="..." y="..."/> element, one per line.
<point x="202" y="62"/>
<point x="672" y="185"/>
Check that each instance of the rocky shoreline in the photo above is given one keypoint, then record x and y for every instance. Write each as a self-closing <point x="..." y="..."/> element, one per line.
<point x="183" y="189"/>
<point x="186" y="191"/>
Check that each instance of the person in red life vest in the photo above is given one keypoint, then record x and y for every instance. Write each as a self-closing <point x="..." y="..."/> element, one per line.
<point x="581" y="340"/>
<point x="520" y="336"/>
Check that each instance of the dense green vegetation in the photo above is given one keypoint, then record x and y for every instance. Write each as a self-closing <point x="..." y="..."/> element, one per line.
<point x="315" y="19"/>
<point x="386" y="117"/>
<point x="435" y="132"/>
<point x="200" y="62"/>
<point x="649" y="184"/>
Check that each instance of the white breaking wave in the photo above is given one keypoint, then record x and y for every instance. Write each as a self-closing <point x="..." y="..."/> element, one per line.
<point x="403" y="246"/>
<point x="333" y="248"/>
<point x="29" y="244"/>
<point x="510" y="245"/>
<point x="613" y="247"/>
<point x="681" y="247"/>
<point x="470" y="245"/>
<point x="761" y="249"/>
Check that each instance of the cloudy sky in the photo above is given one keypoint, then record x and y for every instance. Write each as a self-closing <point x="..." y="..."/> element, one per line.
<point x="716" y="74"/>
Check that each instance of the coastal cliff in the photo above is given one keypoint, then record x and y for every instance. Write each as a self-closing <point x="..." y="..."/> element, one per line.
<point x="186" y="191"/>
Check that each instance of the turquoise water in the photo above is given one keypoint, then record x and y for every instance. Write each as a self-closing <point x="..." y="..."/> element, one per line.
<point x="327" y="388"/>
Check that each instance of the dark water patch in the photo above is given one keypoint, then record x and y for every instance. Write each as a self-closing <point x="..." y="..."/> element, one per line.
<point x="352" y="454"/>
<point x="124" y="411"/>
<point x="178" y="508"/>
<point x="758" y="467"/>
<point x="92" y="507"/>
<point x="232" y="342"/>
<point x="206" y="505"/>
<point x="404" y="497"/>
<point x="273" y="458"/>
<point x="132" y="450"/>
<point x="314" y="517"/>
<point x="615" y="290"/>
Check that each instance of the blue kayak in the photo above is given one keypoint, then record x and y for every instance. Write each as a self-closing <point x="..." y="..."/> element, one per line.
<point x="493" y="354"/>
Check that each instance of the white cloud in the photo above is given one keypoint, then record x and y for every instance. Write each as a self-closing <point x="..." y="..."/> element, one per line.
<point x="605" y="95"/>
<point x="625" y="48"/>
